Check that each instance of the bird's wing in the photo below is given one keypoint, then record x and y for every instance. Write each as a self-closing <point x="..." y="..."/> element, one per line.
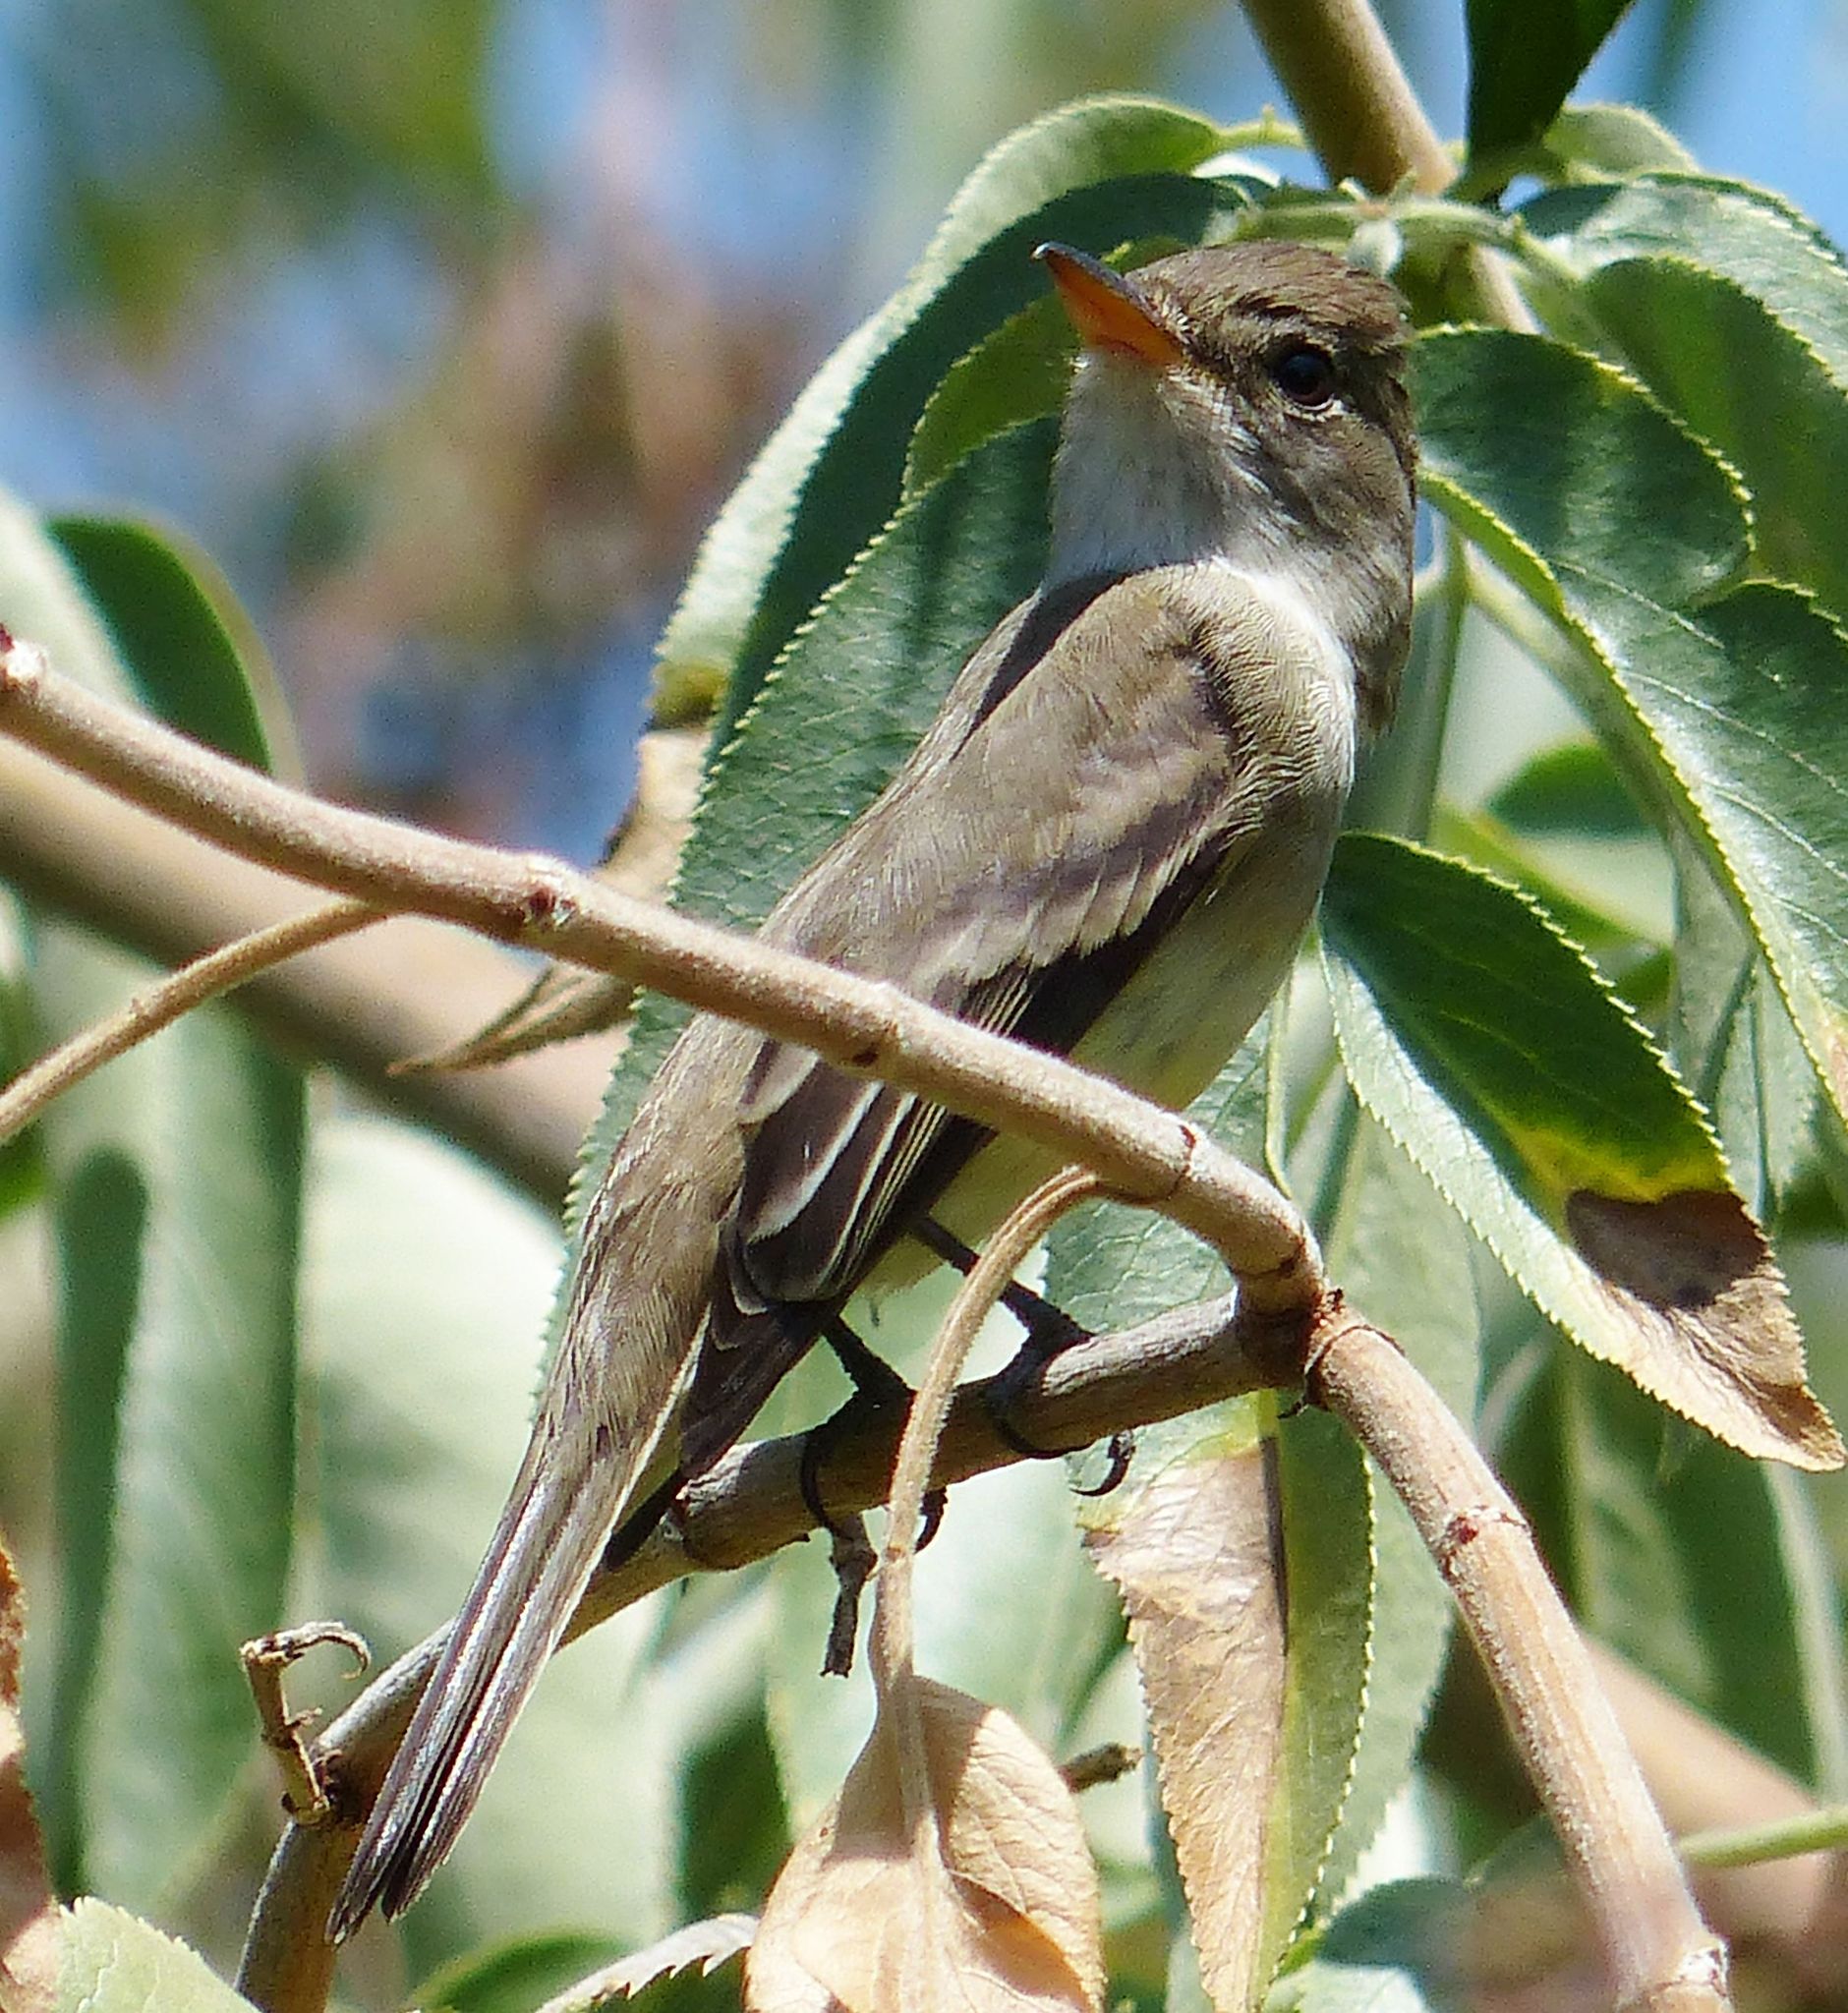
<point x="1014" y="877"/>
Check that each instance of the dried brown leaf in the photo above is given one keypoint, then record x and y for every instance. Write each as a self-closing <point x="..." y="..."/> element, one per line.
<point x="996" y="1911"/>
<point x="1696" y="1282"/>
<point x="29" y="1914"/>
<point x="1199" y="1560"/>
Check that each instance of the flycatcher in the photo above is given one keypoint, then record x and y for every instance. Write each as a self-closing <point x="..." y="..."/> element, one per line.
<point x="1108" y="844"/>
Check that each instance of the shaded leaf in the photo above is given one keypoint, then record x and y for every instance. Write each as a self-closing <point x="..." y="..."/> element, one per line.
<point x="1733" y="1040"/>
<point x="1672" y="1551"/>
<point x="1488" y="1047"/>
<point x="112" y="1961"/>
<point x="511" y="1977"/>
<point x="1398" y="1949"/>
<point x="1006" y="1917"/>
<point x="1570" y="789"/>
<point x="28" y="1910"/>
<point x="176" y="1198"/>
<point x="1524" y="59"/>
<point x="852" y="693"/>
<point x="173" y="635"/>
<point x="1401" y="1255"/>
<point x="1721" y="704"/>
<point x="422" y="1277"/>
<point x="1752" y="386"/>
<point x="1759" y="241"/>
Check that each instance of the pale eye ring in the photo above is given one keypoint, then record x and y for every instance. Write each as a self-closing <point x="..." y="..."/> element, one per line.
<point x="1305" y="372"/>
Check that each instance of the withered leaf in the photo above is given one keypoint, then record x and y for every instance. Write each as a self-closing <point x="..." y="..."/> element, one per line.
<point x="1703" y="1301"/>
<point x="1198" y="1556"/>
<point x="28" y="1913"/>
<point x="997" y="1909"/>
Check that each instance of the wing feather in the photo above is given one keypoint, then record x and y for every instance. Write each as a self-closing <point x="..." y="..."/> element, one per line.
<point x="1072" y="808"/>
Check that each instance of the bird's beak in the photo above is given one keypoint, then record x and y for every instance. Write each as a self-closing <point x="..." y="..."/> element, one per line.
<point x="1108" y="311"/>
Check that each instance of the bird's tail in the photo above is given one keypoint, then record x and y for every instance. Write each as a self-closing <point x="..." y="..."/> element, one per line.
<point x="542" y="1553"/>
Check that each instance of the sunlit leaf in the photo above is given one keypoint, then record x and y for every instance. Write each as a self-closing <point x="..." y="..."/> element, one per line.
<point x="997" y="1892"/>
<point x="1486" y="1045"/>
<point x="1605" y="141"/>
<point x="1722" y="701"/>
<point x="112" y="1961"/>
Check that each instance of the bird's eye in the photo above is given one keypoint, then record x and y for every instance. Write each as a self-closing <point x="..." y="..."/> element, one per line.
<point x="1304" y="375"/>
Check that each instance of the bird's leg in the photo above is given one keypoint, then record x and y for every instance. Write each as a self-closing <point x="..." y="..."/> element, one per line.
<point x="877" y="1387"/>
<point x="1048" y="1330"/>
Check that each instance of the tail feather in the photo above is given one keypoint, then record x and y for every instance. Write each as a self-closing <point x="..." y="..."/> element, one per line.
<point x="539" y="1560"/>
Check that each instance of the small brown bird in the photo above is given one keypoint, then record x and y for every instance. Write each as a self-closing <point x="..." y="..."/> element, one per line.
<point x="1108" y="844"/>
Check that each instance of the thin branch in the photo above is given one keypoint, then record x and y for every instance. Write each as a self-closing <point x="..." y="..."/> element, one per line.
<point x="752" y="1504"/>
<point x="894" y="1649"/>
<point x="360" y="1004"/>
<point x="1365" y="120"/>
<point x="145" y="1015"/>
<point x="1659" y="1953"/>
<point x="1137" y="1148"/>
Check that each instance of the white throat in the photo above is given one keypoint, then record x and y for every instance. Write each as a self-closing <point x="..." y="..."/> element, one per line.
<point x="1154" y="470"/>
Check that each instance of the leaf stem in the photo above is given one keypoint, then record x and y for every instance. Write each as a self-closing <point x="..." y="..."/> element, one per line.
<point x="145" y="1016"/>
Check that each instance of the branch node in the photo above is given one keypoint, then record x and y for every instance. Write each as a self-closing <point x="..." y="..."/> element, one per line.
<point x="549" y="902"/>
<point x="308" y="1795"/>
<point x="22" y="664"/>
<point x="1462" y="1528"/>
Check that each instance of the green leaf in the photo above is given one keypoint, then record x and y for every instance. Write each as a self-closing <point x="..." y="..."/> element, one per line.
<point x="1758" y="242"/>
<point x="1609" y="142"/>
<point x="1721" y="704"/>
<point x="514" y="1976"/>
<point x="1569" y="789"/>
<point x="170" y="634"/>
<point x="852" y="695"/>
<point x="1753" y="388"/>
<point x="1524" y="59"/>
<point x="1395" y="1950"/>
<point x="1488" y="1047"/>
<point x="111" y="1962"/>
<point x="1401" y="1257"/>
<point x="1097" y="172"/>
<point x="425" y="1290"/>
<point x="1732" y="1039"/>
<point x="176" y="1201"/>
<point x="1673" y="1551"/>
